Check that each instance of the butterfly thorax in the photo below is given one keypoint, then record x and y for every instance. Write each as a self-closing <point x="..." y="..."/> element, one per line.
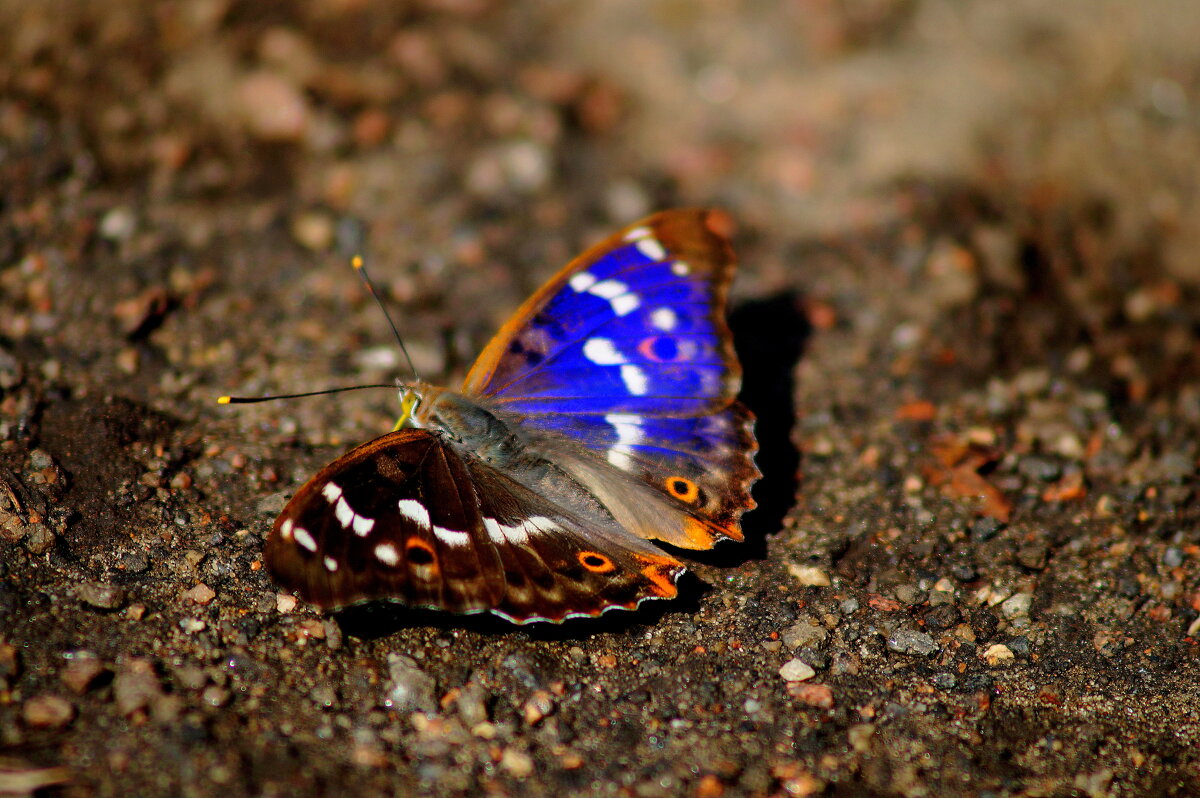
<point x="462" y="420"/>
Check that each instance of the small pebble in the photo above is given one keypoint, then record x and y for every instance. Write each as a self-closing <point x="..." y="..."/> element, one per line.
<point x="809" y="575"/>
<point x="998" y="654"/>
<point x="272" y="107"/>
<point x="118" y="224"/>
<point x="39" y="538"/>
<point x="859" y="736"/>
<point x="48" y="711"/>
<point x="1193" y="629"/>
<point x="136" y="685"/>
<point x="984" y="529"/>
<point x="82" y="671"/>
<point x="907" y="641"/>
<point x="285" y="602"/>
<point x="215" y="696"/>
<point x="845" y="664"/>
<point x="518" y="763"/>
<point x="539" y="705"/>
<point x="944" y="681"/>
<point x="412" y="690"/>
<point x="805" y="633"/>
<point x="1017" y="606"/>
<point x="1020" y="646"/>
<point x="201" y="594"/>
<point x="40" y="459"/>
<point x="324" y="696"/>
<point x="811" y="693"/>
<point x="128" y="359"/>
<point x="942" y="617"/>
<point x="101" y="595"/>
<point x="190" y="677"/>
<point x="1033" y="556"/>
<point x="484" y="730"/>
<point x="134" y="562"/>
<point x="796" y="670"/>
<point x="333" y="634"/>
<point x="313" y="230"/>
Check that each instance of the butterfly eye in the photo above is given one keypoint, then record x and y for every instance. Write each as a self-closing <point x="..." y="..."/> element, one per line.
<point x="409" y="401"/>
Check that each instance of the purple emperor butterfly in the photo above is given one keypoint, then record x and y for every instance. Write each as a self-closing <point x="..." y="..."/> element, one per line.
<point x="602" y="416"/>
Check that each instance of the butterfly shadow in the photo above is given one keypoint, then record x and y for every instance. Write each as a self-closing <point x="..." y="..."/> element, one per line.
<point x="376" y="620"/>
<point x="770" y="336"/>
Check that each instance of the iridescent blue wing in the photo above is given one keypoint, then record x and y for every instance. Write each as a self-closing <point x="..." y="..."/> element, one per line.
<point x="627" y="352"/>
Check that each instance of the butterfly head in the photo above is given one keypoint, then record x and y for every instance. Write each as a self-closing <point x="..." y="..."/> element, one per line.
<point x="425" y="406"/>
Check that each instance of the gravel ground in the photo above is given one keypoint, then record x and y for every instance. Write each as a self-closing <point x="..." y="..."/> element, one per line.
<point x="968" y="311"/>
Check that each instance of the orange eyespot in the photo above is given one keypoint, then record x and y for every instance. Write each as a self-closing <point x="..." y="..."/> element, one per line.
<point x="419" y="552"/>
<point x="595" y="562"/>
<point x="683" y="489"/>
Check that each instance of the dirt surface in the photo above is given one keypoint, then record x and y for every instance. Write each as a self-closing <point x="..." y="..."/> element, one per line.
<point x="968" y="312"/>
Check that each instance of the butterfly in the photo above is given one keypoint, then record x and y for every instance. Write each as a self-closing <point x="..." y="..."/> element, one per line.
<point x="601" y="417"/>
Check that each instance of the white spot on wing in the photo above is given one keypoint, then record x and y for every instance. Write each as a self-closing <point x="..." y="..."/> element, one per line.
<point x="652" y="249"/>
<point x="602" y="352"/>
<point x="608" y="289"/>
<point x="331" y="565"/>
<point x="624" y="304"/>
<point x="582" y="281"/>
<point x="345" y="515"/>
<point x="680" y="268"/>
<point x="542" y="524"/>
<point x="451" y="537"/>
<point x="304" y="538"/>
<point x="285" y="529"/>
<point x="634" y="379"/>
<point x="502" y="533"/>
<point x="638" y="232"/>
<point x="619" y="456"/>
<point x="618" y="295"/>
<point x="387" y="554"/>
<point x="628" y="428"/>
<point x="492" y="526"/>
<point x="414" y="511"/>
<point x="664" y="319"/>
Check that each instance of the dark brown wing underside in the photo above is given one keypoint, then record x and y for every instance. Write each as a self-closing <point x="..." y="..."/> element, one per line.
<point x="406" y="518"/>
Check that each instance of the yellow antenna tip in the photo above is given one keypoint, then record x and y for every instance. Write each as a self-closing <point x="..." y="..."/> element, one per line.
<point x="223" y="400"/>
<point x="356" y="261"/>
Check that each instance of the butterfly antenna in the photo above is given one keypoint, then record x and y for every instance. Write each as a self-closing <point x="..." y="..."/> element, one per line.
<point x="250" y="400"/>
<point x="361" y="268"/>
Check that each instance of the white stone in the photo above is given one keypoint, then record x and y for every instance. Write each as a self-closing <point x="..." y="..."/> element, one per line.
<point x="796" y="670"/>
